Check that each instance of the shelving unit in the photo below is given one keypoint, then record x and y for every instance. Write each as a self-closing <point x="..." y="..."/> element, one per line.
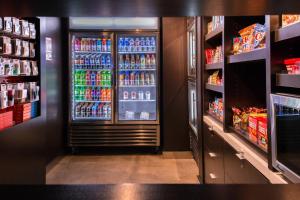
<point x="211" y="40"/>
<point x="249" y="78"/>
<point x="25" y="109"/>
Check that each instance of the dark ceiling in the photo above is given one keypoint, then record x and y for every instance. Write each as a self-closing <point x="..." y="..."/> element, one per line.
<point x="65" y="8"/>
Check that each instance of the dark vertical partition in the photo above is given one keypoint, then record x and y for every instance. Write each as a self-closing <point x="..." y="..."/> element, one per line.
<point x="174" y="85"/>
<point x="51" y="27"/>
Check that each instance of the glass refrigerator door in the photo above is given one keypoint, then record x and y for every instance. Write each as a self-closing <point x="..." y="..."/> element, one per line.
<point x="193" y="106"/>
<point x="92" y="65"/>
<point x="137" y="77"/>
<point x="192" y="51"/>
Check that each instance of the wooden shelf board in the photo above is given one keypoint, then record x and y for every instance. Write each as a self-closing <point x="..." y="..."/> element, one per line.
<point x="214" y="66"/>
<point x="214" y="34"/>
<point x="288" y="32"/>
<point x="216" y="88"/>
<point x="255" y="55"/>
<point x="288" y="80"/>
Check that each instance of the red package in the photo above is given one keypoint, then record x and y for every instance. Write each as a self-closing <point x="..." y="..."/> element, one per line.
<point x="209" y="55"/>
<point x="252" y="127"/>
<point x="263" y="133"/>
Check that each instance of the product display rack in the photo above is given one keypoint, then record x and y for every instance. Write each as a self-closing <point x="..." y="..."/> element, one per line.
<point x="20" y="114"/>
<point x="212" y="40"/>
<point x="249" y="78"/>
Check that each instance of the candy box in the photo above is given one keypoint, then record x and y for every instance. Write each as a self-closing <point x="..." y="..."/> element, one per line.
<point x="247" y="35"/>
<point x="262" y="131"/>
<point x="290" y="19"/>
<point x="252" y="128"/>
<point x="237" y="45"/>
<point x="259" y="36"/>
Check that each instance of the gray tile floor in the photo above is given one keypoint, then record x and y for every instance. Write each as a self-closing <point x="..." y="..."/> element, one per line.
<point x="170" y="167"/>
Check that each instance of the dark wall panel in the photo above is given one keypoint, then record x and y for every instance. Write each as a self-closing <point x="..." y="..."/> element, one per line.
<point x="52" y="27"/>
<point x="174" y="85"/>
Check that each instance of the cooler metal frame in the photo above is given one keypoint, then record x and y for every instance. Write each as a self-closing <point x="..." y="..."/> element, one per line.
<point x="131" y="133"/>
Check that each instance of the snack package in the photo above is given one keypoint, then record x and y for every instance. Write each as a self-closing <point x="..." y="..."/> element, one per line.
<point x="25" y="49"/>
<point x="213" y="79"/>
<point x="7" y="24"/>
<point x="16" y="67"/>
<point x="16" y="47"/>
<point x="209" y="56"/>
<point x="8" y="67"/>
<point x="2" y="67"/>
<point x="259" y="36"/>
<point x="237" y="45"/>
<point x="31" y="50"/>
<point x="25" y="67"/>
<point x="32" y="31"/>
<point x="253" y="37"/>
<point x="25" y="28"/>
<point x="252" y="128"/>
<point x="263" y="133"/>
<point x="5" y="45"/>
<point x="290" y="19"/>
<point x="10" y="94"/>
<point x="16" y="26"/>
<point x="34" y="68"/>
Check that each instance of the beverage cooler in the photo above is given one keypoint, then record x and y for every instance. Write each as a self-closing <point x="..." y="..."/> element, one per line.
<point x="114" y="88"/>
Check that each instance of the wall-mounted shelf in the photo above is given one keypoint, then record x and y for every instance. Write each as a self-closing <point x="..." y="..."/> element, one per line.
<point x="215" y="34"/>
<point x="216" y="88"/>
<point x="288" y="80"/>
<point x="289" y="32"/>
<point x="255" y="55"/>
<point x="214" y="66"/>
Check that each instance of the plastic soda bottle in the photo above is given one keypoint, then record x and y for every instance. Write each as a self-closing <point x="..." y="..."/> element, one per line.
<point x="98" y="78"/>
<point x="121" y="45"/>
<point x="126" y="45"/>
<point x="104" y="47"/>
<point x="153" y="44"/>
<point x="108" y="111"/>
<point x="142" y="44"/>
<point x="137" y="61"/>
<point x="108" y="45"/>
<point x="132" y="62"/>
<point x="99" y="44"/>
<point x="137" y="44"/>
<point x="148" y="44"/>
<point x="88" y="78"/>
<point x="108" y="78"/>
<point x="131" y="44"/>
<point x="93" y="78"/>
<point x="121" y="61"/>
<point x="108" y="61"/>
<point x="103" y="78"/>
<point x="76" y="93"/>
<point x="103" y="61"/>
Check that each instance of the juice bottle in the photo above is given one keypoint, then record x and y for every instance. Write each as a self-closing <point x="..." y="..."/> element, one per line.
<point x="121" y="61"/>
<point x="126" y="81"/>
<point x="127" y="62"/>
<point x="132" y="62"/>
<point x="137" y="61"/>
<point x="148" y="61"/>
<point x="103" y="46"/>
<point x="143" y="61"/>
<point x="81" y="62"/>
<point x="87" y="93"/>
<point x="105" y="113"/>
<point x="153" y="61"/>
<point x="142" y="79"/>
<point x="132" y="78"/>
<point x="137" y="78"/>
<point x="121" y="79"/>
<point x="108" y="111"/>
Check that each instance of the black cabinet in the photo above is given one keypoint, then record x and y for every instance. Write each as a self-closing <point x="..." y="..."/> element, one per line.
<point x="213" y="156"/>
<point x="223" y="164"/>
